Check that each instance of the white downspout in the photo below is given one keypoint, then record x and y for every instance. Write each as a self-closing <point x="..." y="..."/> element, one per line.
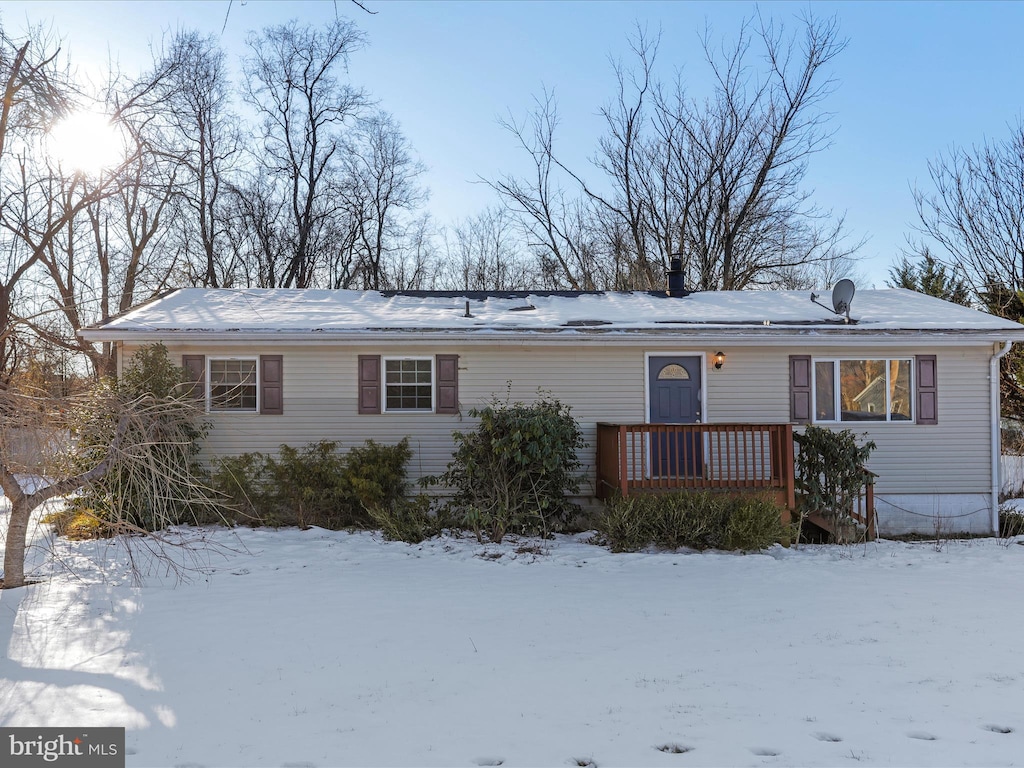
<point x="993" y="377"/>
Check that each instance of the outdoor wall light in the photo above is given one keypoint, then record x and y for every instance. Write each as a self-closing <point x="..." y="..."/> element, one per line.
<point x="719" y="360"/>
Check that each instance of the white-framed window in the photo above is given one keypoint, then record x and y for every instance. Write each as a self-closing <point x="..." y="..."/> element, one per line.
<point x="233" y="384"/>
<point x="409" y="384"/>
<point x="864" y="390"/>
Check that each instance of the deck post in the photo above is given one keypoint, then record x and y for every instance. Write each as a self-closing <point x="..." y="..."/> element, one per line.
<point x="869" y="501"/>
<point x="789" y="464"/>
<point x="623" y="467"/>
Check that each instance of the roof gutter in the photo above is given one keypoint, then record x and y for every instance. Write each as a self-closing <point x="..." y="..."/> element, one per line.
<point x="993" y="378"/>
<point x="543" y="336"/>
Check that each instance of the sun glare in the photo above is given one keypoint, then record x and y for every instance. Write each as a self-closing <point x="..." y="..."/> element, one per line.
<point x="86" y="142"/>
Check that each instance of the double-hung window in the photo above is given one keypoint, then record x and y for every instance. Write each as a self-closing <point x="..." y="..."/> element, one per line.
<point x="237" y="384"/>
<point x="233" y="384"/>
<point x="409" y="384"/>
<point x="863" y="390"/>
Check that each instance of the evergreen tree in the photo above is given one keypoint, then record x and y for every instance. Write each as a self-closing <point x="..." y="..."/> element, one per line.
<point x="930" y="277"/>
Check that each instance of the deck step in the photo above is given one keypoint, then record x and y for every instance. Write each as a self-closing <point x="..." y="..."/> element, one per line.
<point x="847" y="531"/>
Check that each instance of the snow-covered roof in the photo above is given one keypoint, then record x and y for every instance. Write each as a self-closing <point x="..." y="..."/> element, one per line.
<point x="254" y="312"/>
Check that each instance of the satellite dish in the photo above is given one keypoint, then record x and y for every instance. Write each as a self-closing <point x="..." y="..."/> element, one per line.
<point x="842" y="297"/>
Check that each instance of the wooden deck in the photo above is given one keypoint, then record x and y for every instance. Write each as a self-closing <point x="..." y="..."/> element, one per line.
<point x="738" y="458"/>
<point x="728" y="457"/>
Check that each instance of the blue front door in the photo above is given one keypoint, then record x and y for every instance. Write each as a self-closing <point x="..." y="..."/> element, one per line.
<point x="675" y="398"/>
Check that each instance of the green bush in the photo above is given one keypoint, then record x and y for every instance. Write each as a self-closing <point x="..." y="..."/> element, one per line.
<point x="156" y="479"/>
<point x="829" y="474"/>
<point x="243" y="482"/>
<point x="311" y="484"/>
<point x="315" y="485"/>
<point x="699" y="520"/>
<point x="410" y="520"/>
<point x="513" y="472"/>
<point x="755" y="523"/>
<point x="376" y="473"/>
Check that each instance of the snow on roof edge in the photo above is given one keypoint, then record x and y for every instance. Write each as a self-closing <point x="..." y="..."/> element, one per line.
<point x="197" y="310"/>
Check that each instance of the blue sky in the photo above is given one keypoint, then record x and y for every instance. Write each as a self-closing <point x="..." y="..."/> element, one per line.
<point x="915" y="79"/>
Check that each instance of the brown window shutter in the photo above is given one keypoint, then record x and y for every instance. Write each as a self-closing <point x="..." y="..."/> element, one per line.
<point x="369" y="384"/>
<point x="800" y="389"/>
<point x="447" y="383"/>
<point x="927" y="390"/>
<point x="272" y="385"/>
<point x="195" y="372"/>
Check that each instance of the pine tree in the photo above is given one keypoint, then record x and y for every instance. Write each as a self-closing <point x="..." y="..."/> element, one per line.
<point x="930" y="277"/>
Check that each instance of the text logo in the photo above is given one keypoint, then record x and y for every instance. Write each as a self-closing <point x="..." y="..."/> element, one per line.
<point x="62" y="747"/>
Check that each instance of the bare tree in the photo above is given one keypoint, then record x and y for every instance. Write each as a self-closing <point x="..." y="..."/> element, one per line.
<point x="483" y="254"/>
<point x="975" y="212"/>
<point x="714" y="181"/>
<point x="106" y="259"/>
<point x="557" y="226"/>
<point x="36" y="91"/>
<point x="254" y="214"/>
<point x="414" y="265"/>
<point x="293" y="80"/>
<point x="113" y="248"/>
<point x="203" y="136"/>
<point x="975" y="215"/>
<point x="381" y="192"/>
<point x="34" y="469"/>
<point x="129" y="447"/>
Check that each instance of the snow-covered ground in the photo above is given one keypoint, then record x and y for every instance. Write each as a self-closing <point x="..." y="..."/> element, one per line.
<point x="319" y="648"/>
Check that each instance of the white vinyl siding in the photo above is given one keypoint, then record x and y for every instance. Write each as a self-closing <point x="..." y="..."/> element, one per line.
<point x="952" y="456"/>
<point x="602" y="382"/>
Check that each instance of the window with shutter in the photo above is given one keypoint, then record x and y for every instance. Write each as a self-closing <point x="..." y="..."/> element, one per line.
<point x="882" y="389"/>
<point x="409" y="384"/>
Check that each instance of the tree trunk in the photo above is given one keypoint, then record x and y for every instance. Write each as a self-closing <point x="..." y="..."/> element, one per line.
<point x="17" y="534"/>
<point x="23" y="503"/>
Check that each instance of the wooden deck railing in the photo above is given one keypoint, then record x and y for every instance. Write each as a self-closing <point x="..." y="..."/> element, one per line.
<point x="730" y="457"/>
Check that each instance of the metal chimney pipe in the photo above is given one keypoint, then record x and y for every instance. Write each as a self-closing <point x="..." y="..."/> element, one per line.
<point x="676" y="279"/>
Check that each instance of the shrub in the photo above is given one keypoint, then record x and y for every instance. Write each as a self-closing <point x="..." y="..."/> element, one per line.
<point x="310" y="483"/>
<point x="699" y="520"/>
<point x="513" y="472"/>
<point x="755" y="524"/>
<point x="377" y="473"/>
<point x="315" y="485"/>
<point x="410" y="520"/>
<point x="1011" y="522"/>
<point x="156" y="479"/>
<point x="829" y="474"/>
<point x="78" y="523"/>
<point x="243" y="482"/>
